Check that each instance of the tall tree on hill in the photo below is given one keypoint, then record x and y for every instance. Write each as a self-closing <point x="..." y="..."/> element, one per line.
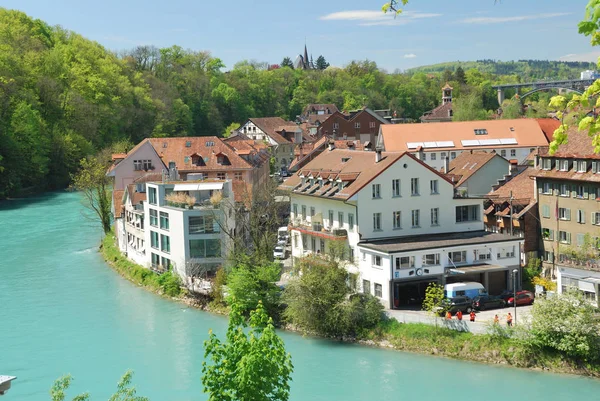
<point x="469" y="108"/>
<point x="287" y="62"/>
<point x="321" y="63"/>
<point x="447" y="76"/>
<point x="459" y="76"/>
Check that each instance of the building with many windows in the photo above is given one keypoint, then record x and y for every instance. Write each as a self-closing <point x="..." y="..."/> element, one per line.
<point x="568" y="197"/>
<point x="400" y="222"/>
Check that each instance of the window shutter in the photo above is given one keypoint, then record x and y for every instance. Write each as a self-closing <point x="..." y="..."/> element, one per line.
<point x="568" y="238"/>
<point x="593" y="220"/>
<point x="551" y="235"/>
<point x="583" y="217"/>
<point x="585" y="192"/>
<point x="594" y="167"/>
<point x="568" y="212"/>
<point x="539" y="188"/>
<point x="556" y="189"/>
<point x="573" y="191"/>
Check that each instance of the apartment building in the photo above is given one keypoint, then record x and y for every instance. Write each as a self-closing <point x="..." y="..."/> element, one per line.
<point x="511" y="139"/>
<point x="568" y="197"/>
<point x="400" y="222"/>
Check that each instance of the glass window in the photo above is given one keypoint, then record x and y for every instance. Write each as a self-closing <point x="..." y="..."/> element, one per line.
<point x="452" y="155"/>
<point x="378" y="290"/>
<point x="433" y="184"/>
<point x="513" y="152"/>
<point x="165" y="243"/>
<point x="152" y="195"/>
<point x="154" y="239"/>
<point x="581" y="216"/>
<point x="376" y="260"/>
<point x="341" y="219"/>
<point x="416" y="218"/>
<point x="376" y="221"/>
<point x="164" y="220"/>
<point x="546" y="211"/>
<point x="203" y="225"/>
<point x="153" y="218"/>
<point x="205" y="248"/>
<point x="564" y="237"/>
<point x="548" y="234"/>
<point x="414" y="186"/>
<point x="350" y="221"/>
<point x="467" y="213"/>
<point x="564" y="190"/>
<point x="547" y="188"/>
<point x="155" y="259"/>
<point x="432" y="259"/>
<point x="366" y="286"/>
<point x="564" y="213"/>
<point x="457" y="256"/>
<point x="503" y="153"/>
<point x="433" y="156"/>
<point x="435" y="215"/>
<point x="405" y="262"/>
<point x="295" y="209"/>
<point x="331" y="218"/>
<point x="547" y="164"/>
<point x="303" y="212"/>
<point x="312" y="211"/>
<point x="397" y="218"/>
<point x="376" y="191"/>
<point x="396" y="187"/>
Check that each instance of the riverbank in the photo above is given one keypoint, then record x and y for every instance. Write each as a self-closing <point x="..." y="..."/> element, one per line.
<point x="409" y="337"/>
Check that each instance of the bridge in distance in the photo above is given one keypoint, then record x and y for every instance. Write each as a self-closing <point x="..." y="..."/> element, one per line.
<point x="575" y="85"/>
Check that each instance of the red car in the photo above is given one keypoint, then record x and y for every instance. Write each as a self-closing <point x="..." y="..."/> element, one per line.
<point x="523" y="298"/>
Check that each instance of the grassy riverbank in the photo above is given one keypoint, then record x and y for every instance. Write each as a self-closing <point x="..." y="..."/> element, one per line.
<point x="486" y="348"/>
<point x="411" y="337"/>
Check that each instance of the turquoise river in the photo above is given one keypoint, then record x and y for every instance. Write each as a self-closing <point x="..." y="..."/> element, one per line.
<point x="62" y="310"/>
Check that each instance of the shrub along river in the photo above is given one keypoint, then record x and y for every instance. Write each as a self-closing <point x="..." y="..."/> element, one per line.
<point x="63" y="310"/>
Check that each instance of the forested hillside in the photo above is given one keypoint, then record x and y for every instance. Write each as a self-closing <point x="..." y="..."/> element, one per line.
<point x="522" y="70"/>
<point x="63" y="97"/>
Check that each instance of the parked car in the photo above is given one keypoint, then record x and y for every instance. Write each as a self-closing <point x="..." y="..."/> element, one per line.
<point x="455" y="304"/>
<point x="279" y="252"/>
<point x="506" y="294"/>
<point x="484" y="302"/>
<point x="523" y="298"/>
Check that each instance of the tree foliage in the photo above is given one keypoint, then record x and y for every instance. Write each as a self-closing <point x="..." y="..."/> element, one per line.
<point x="322" y="300"/>
<point x="469" y="108"/>
<point x="567" y="323"/>
<point x="125" y="391"/>
<point x="434" y="299"/>
<point x="250" y="365"/>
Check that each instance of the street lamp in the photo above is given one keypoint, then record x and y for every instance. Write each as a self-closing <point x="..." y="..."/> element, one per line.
<point x="515" y="271"/>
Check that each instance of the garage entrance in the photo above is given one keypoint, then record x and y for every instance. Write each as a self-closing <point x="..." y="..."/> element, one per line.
<point x="410" y="294"/>
<point x="494" y="278"/>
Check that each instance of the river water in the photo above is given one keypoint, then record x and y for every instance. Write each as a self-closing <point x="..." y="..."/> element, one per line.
<point x="62" y="310"/>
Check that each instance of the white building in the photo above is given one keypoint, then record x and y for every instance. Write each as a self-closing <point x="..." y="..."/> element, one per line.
<point x="511" y="139"/>
<point x="189" y="239"/>
<point x="401" y="223"/>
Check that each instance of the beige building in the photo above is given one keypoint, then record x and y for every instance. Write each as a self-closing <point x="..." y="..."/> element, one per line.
<point x="568" y="192"/>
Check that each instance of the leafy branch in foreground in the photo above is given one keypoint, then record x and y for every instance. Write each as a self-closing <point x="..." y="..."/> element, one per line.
<point x="125" y="391"/>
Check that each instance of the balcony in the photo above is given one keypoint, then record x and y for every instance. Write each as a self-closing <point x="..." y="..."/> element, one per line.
<point x="317" y="230"/>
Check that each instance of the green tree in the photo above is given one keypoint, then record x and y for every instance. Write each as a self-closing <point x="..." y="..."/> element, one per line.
<point x="321" y="63"/>
<point x="468" y="108"/>
<point x="248" y="366"/>
<point x="231" y="127"/>
<point x="460" y="76"/>
<point x="92" y="182"/>
<point x="434" y="300"/>
<point x="567" y="323"/>
<point x="322" y="300"/>
<point x="125" y="391"/>
<point x="512" y="108"/>
<point x="287" y="62"/>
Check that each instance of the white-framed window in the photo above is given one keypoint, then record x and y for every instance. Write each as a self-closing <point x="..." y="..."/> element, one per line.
<point x="581" y="166"/>
<point x="546" y="164"/>
<point x="414" y="186"/>
<point x="341" y="219"/>
<point x="366" y="286"/>
<point x="547" y="188"/>
<point x="503" y="153"/>
<point x="397" y="218"/>
<point x="303" y="212"/>
<point x="295" y="210"/>
<point x="564" y="237"/>
<point x="357" y="125"/>
<point x="336" y="125"/>
<point x="238" y="176"/>
<point x="416" y="218"/>
<point x="164" y="221"/>
<point x="221" y="176"/>
<point x="312" y="211"/>
<point x="581" y="216"/>
<point x="165" y="243"/>
<point x="548" y="234"/>
<point x="513" y="152"/>
<point x="581" y="192"/>
<point x="153" y="218"/>
<point x="350" y="221"/>
<point x="405" y="262"/>
<point x="563" y="165"/>
<point x="424" y="156"/>
<point x="595" y="218"/>
<point x="580" y="239"/>
<point x="431" y="259"/>
<point x="154" y="239"/>
<point x="457" y="257"/>
<point x="331" y="218"/>
<point x="376" y="191"/>
<point x="376" y="260"/>
<point x="564" y="190"/>
<point x="433" y="185"/>
<point x="467" y="213"/>
<point x="483" y="254"/>
<point x="396" y="187"/>
<point x="378" y="290"/>
<point x="546" y="211"/>
<point x="595" y="167"/>
<point x="376" y="221"/>
<point x="549" y="256"/>
<point x="564" y="213"/>
<point x="372" y="124"/>
<point x="506" y="252"/>
<point x="452" y="155"/>
<point x="443" y="155"/>
<point x="435" y="216"/>
<point x="433" y="156"/>
<point x="152" y="195"/>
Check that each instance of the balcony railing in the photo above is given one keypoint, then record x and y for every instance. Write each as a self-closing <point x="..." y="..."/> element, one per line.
<point x="317" y="229"/>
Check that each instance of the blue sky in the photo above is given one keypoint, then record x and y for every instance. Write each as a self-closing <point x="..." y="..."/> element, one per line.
<point x="429" y="31"/>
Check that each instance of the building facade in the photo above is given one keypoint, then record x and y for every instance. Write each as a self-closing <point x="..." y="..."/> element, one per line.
<point x="362" y="125"/>
<point x="399" y="221"/>
<point x="568" y="196"/>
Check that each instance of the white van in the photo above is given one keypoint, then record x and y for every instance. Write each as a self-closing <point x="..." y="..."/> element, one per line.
<point x="283" y="235"/>
<point x="469" y="289"/>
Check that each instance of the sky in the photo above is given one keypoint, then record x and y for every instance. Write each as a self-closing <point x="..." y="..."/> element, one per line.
<point x="427" y="32"/>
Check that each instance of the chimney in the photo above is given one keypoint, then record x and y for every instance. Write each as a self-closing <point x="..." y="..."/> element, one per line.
<point x="378" y="154"/>
<point x="420" y="153"/>
<point x="331" y="145"/>
<point x="446" y="167"/>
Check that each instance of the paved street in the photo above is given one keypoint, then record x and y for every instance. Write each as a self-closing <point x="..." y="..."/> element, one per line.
<point x="478" y="327"/>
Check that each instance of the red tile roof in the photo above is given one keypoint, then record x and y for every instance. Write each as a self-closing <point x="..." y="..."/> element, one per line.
<point x="521" y="187"/>
<point x="134" y="196"/>
<point x="579" y="145"/>
<point x="442" y="112"/>
<point x="269" y="126"/>
<point x="548" y="126"/>
<point x="118" y="202"/>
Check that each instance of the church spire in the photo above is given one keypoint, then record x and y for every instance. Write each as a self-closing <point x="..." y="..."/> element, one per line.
<point x="306" y="63"/>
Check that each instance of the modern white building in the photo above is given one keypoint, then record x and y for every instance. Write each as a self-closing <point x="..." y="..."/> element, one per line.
<point x="400" y="221"/>
<point x="191" y="235"/>
<point x="511" y="139"/>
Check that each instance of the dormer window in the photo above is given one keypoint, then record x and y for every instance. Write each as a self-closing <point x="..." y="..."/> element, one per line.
<point x="188" y="144"/>
<point x="581" y="166"/>
<point x="547" y="164"/>
<point x="197" y="160"/>
<point x="222" y="159"/>
<point x="480" y="131"/>
<point x="563" y="165"/>
<point x="209" y="144"/>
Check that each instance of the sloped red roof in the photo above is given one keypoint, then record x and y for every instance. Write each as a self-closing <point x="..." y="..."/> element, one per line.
<point x="118" y="202"/>
<point x="442" y="112"/>
<point x="548" y="126"/>
<point x="270" y="125"/>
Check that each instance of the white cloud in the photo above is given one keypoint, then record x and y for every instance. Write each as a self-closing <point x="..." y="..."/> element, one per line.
<point x="410" y="55"/>
<point x="591" y="57"/>
<point x="516" y="18"/>
<point x="371" y="17"/>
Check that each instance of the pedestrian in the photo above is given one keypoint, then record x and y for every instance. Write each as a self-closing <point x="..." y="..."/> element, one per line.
<point x="509" y="320"/>
<point x="496" y="319"/>
<point x="472" y="316"/>
<point x="459" y="315"/>
<point x="448" y="315"/>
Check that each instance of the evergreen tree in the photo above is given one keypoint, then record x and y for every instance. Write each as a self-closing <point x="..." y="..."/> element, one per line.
<point x="321" y="63"/>
<point x="287" y="62"/>
<point x="459" y="75"/>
